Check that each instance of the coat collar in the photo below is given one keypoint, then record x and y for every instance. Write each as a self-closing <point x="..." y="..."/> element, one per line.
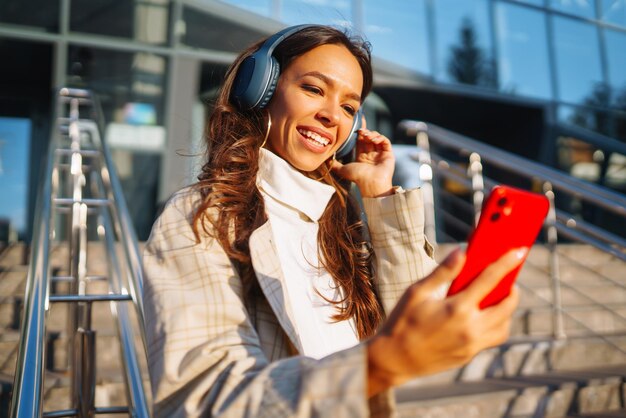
<point x="283" y="183"/>
<point x="271" y="279"/>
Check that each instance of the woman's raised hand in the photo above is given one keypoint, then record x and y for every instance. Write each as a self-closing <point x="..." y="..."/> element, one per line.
<point x="373" y="167"/>
<point x="425" y="334"/>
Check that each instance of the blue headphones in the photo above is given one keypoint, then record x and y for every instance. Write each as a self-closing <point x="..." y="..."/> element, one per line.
<point x="257" y="77"/>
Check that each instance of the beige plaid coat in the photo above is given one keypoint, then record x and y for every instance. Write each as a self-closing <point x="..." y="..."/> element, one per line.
<point x="210" y="357"/>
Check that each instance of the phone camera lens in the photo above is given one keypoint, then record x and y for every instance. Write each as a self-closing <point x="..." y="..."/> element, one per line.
<point x="495" y="216"/>
<point x="502" y="201"/>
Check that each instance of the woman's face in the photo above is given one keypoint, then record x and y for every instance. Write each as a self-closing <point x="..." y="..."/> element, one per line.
<point x="314" y="104"/>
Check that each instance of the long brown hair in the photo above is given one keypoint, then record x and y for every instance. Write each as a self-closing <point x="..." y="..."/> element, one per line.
<point x="228" y="184"/>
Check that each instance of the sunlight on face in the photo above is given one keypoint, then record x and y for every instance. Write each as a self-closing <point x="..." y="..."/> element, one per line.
<point x="314" y="105"/>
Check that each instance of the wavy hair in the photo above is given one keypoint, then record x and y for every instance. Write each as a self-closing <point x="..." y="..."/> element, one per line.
<point x="227" y="183"/>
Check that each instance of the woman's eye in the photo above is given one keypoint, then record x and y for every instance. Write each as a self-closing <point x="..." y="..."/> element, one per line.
<point x="350" y="110"/>
<point x="312" y="89"/>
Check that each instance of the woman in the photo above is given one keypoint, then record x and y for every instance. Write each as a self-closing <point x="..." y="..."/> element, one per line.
<point x="263" y="295"/>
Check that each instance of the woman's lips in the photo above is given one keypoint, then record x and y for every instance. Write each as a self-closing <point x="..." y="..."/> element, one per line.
<point x="313" y="139"/>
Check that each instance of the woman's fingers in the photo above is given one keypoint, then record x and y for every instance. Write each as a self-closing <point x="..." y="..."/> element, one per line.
<point x="374" y="137"/>
<point x="504" y="309"/>
<point x="491" y="276"/>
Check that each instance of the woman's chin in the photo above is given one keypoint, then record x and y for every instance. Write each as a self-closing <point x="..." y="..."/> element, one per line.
<point x="307" y="166"/>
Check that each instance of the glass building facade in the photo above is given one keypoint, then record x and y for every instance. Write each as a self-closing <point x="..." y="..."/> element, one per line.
<point x="568" y="54"/>
<point x="156" y="62"/>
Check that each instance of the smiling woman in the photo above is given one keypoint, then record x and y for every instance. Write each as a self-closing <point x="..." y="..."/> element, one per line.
<point x="263" y="296"/>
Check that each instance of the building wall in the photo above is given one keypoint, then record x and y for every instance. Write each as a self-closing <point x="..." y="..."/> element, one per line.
<point x="152" y="61"/>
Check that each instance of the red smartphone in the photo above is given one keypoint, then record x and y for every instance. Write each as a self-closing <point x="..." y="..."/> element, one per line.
<point x="510" y="218"/>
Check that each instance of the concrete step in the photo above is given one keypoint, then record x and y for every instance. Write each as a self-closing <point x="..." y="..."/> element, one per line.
<point x="531" y="356"/>
<point x="605" y="319"/>
<point x="110" y="390"/>
<point x="607" y="414"/>
<point x="593" y="291"/>
<point x="554" y="394"/>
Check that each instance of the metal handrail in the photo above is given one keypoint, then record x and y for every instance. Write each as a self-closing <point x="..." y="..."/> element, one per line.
<point x="597" y="195"/>
<point x="31" y="350"/>
<point x="114" y="221"/>
<point x="558" y="221"/>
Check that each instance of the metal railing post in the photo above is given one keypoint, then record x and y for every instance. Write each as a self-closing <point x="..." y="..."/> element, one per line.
<point x="558" y="328"/>
<point x="426" y="182"/>
<point x="475" y="172"/>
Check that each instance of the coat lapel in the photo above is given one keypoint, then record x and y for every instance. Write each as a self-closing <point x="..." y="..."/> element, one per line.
<point x="270" y="276"/>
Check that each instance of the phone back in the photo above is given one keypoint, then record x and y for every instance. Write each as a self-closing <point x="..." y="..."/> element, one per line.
<point x="510" y="218"/>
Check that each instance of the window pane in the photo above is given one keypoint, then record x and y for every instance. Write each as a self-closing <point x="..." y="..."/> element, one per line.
<point x="580" y="159"/>
<point x="614" y="11"/>
<point x="208" y="31"/>
<point x="262" y="7"/>
<point x="119" y="78"/>
<point x="584" y="160"/>
<point x="535" y="2"/>
<point x="398" y="32"/>
<point x="616" y="59"/>
<point x="327" y="12"/>
<point x="523" y="66"/>
<point x="145" y="21"/>
<point x="130" y="87"/>
<point x="14" y="162"/>
<point x="464" y="42"/>
<point x="591" y="118"/>
<point x="37" y="13"/>
<point x="584" y="8"/>
<point x="577" y="59"/>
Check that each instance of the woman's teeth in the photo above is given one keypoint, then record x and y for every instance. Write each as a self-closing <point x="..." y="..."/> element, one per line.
<point x="315" y="137"/>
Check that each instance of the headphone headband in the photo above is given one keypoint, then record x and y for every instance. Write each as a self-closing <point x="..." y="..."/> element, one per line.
<point x="273" y="41"/>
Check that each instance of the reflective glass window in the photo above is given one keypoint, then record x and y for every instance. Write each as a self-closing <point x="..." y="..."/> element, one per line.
<point x="131" y="89"/>
<point x="523" y="66"/>
<point x="15" y="134"/>
<point x="534" y="2"/>
<point x="37" y="13"/>
<point x="143" y="21"/>
<point x="398" y="32"/>
<point x="210" y="31"/>
<point x="262" y="7"/>
<point x="584" y="8"/>
<point x="327" y="12"/>
<point x="591" y="117"/>
<point x="584" y="160"/>
<point x="577" y="59"/>
<point x="616" y="60"/>
<point x="614" y="11"/>
<point x="463" y="42"/>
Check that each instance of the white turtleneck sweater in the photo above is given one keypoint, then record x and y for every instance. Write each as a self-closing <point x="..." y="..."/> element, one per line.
<point x="294" y="204"/>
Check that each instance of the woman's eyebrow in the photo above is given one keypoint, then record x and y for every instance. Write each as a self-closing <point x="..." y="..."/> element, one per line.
<point x="329" y="81"/>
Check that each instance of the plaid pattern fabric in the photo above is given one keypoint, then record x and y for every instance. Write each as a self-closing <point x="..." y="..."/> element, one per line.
<point x="208" y="356"/>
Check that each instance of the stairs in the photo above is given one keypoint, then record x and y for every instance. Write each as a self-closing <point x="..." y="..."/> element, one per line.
<point x="533" y="374"/>
<point x="12" y="281"/>
<point x="110" y="388"/>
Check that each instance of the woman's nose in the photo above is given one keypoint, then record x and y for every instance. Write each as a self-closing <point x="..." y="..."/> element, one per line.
<point x="329" y="113"/>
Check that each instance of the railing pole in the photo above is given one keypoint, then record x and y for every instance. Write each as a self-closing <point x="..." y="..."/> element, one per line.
<point x="84" y="374"/>
<point x="426" y="182"/>
<point x="558" y="328"/>
<point x="475" y="172"/>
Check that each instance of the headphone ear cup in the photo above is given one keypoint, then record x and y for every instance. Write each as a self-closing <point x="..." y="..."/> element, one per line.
<point x="271" y="83"/>
<point x="349" y="144"/>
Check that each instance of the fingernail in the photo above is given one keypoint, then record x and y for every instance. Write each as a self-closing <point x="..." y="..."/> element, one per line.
<point x="521" y="253"/>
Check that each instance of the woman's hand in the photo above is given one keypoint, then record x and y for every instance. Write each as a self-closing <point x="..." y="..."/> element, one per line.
<point x="425" y="334"/>
<point x="373" y="167"/>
